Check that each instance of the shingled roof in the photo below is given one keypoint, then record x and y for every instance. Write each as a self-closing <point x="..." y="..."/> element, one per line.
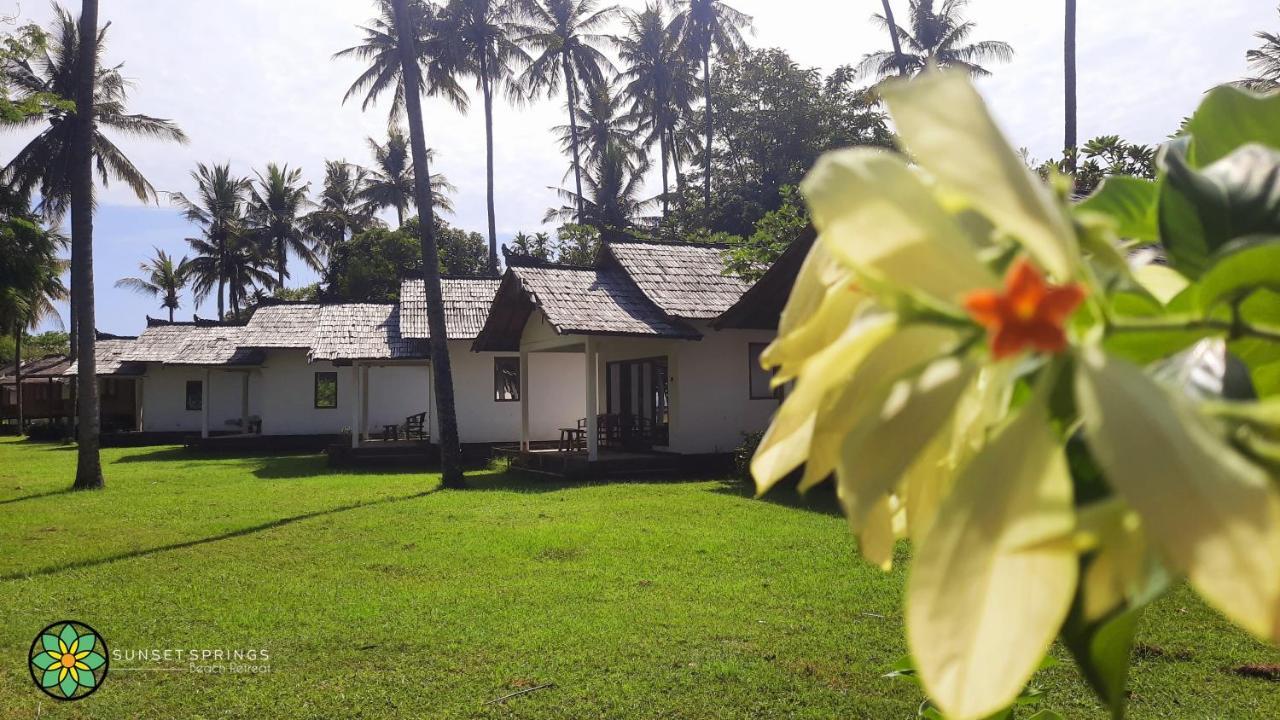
<point x="110" y="358"/>
<point x="287" y="325"/>
<point x="686" y="280"/>
<point x="576" y="301"/>
<point x="35" y="369"/>
<point x="363" y="331"/>
<point x="187" y="344"/>
<point x="466" y="307"/>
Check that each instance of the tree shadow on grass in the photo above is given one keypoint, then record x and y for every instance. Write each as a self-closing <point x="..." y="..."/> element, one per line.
<point x="261" y="527"/>
<point x="36" y="496"/>
<point x="820" y="499"/>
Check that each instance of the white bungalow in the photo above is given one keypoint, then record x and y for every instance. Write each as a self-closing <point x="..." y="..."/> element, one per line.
<point x="671" y="360"/>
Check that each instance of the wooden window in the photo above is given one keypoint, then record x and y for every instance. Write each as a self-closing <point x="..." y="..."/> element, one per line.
<point x="195" y="395"/>
<point x="326" y="390"/>
<point x="759" y="377"/>
<point x="506" y="379"/>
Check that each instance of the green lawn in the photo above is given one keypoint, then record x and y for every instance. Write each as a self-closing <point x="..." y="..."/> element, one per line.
<point x="378" y="596"/>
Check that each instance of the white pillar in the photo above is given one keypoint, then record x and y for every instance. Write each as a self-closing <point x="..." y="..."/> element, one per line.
<point x="355" y="406"/>
<point x="593" y="439"/>
<point x="244" y="402"/>
<point x="138" y="403"/>
<point x="204" y="403"/>
<point x="364" y="403"/>
<point x="524" y="400"/>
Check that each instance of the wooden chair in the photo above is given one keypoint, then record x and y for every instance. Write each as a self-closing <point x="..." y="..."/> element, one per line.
<point x="415" y="427"/>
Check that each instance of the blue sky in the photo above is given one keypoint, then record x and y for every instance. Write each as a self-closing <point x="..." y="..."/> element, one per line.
<point x="253" y="82"/>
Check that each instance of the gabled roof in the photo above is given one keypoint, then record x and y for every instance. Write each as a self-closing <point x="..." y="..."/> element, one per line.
<point x="576" y="301"/>
<point x="109" y="353"/>
<point x="286" y="325"/>
<point x="466" y="306"/>
<point x="686" y="280"/>
<point x="761" y="307"/>
<point x="362" y="331"/>
<point x="191" y="344"/>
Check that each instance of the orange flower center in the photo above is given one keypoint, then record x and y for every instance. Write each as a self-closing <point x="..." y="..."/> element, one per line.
<point x="1030" y="313"/>
<point x="67" y="660"/>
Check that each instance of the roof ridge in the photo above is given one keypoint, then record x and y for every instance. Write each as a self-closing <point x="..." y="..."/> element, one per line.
<point x="678" y="243"/>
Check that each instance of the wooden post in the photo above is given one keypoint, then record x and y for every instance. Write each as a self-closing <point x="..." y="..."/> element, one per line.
<point x="364" y="403"/>
<point x="204" y="403"/>
<point x="244" y="403"/>
<point x="524" y="400"/>
<point x="355" y="406"/>
<point x="593" y="439"/>
<point x="137" y="404"/>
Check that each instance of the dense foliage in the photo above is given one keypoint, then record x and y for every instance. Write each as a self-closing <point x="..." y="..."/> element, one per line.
<point x="369" y="266"/>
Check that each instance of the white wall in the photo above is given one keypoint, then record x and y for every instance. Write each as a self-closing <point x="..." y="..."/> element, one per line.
<point x="557" y="391"/>
<point x="286" y="396"/>
<point x="164" y="399"/>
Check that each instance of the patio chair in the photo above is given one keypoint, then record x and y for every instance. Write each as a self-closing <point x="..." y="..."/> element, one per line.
<point x="415" y="427"/>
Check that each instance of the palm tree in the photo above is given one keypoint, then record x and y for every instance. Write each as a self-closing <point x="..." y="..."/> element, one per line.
<point x="80" y="175"/>
<point x="439" y="57"/>
<point x="1265" y="62"/>
<point x="936" y="37"/>
<point x="659" y="82"/>
<point x="612" y="204"/>
<point x="605" y="124"/>
<point x="240" y="263"/>
<point x="484" y="28"/>
<point x="45" y="164"/>
<point x="898" y="58"/>
<point x="704" y="27"/>
<point x="389" y="184"/>
<point x="341" y="211"/>
<point x="562" y="39"/>
<point x="162" y="277"/>
<point x="218" y="209"/>
<point x="397" y="58"/>
<point x="1069" y="62"/>
<point x="276" y="205"/>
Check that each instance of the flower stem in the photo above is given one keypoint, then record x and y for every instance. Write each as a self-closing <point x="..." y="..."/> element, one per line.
<point x="1236" y="328"/>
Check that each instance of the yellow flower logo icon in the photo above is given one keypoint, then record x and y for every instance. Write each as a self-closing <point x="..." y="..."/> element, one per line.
<point x="68" y="660"/>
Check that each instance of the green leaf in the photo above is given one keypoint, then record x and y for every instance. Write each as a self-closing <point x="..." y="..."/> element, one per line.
<point x="1230" y="117"/>
<point x="1130" y="203"/>
<point x="1102" y="651"/>
<point x="1248" y="266"/>
<point x="1202" y="211"/>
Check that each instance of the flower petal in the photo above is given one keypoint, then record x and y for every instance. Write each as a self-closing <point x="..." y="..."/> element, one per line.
<point x="1212" y="513"/>
<point x="93" y="660"/>
<point x="68" y="635"/>
<point x="787" y="442"/>
<point x="50" y="643"/>
<point x="49" y="678"/>
<point x="876" y="538"/>
<point x="44" y="661"/>
<point x="68" y="685"/>
<point x="87" y="641"/>
<point x="976" y="629"/>
<point x="876" y="213"/>
<point x="944" y="124"/>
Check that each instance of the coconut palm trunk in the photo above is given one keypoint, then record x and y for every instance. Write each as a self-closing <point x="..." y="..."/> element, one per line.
<point x="666" y="185"/>
<point x="222" y="275"/>
<point x="17" y="373"/>
<point x="88" y="464"/>
<point x="486" y="85"/>
<point x="450" y="449"/>
<point x="706" y="91"/>
<point x="1069" y="58"/>
<point x="898" y="57"/>
<point x="571" y="93"/>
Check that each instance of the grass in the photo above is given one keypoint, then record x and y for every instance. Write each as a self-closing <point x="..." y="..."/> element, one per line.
<point x="377" y="595"/>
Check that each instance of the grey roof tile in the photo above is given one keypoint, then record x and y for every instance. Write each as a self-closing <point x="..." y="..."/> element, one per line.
<point x="466" y="306"/>
<point x="686" y="280"/>
<point x="110" y="356"/>
<point x="596" y="300"/>
<point x="363" y="331"/>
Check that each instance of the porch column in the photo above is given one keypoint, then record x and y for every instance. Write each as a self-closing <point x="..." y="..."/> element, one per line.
<point x="355" y="406"/>
<point x="138" y="405"/>
<point x="204" y="403"/>
<point x="364" y="403"/>
<point x="524" y="400"/>
<point x="244" y="402"/>
<point x="593" y="439"/>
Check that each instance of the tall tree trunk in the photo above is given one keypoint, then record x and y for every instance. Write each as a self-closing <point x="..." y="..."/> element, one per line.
<point x="281" y="263"/>
<point x="675" y="167"/>
<point x="74" y="337"/>
<point x="487" y="87"/>
<point x="88" y="465"/>
<point x="450" y="449"/>
<point x="17" y="375"/>
<point x="666" y="187"/>
<point x="1069" y="142"/>
<point x="170" y="313"/>
<point x="222" y="275"/>
<point x="571" y="94"/>
<point x="898" y="58"/>
<point x="706" y="91"/>
<point x="399" y="216"/>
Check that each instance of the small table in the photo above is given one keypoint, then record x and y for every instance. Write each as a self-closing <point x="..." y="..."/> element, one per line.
<point x="391" y="432"/>
<point x="570" y="438"/>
